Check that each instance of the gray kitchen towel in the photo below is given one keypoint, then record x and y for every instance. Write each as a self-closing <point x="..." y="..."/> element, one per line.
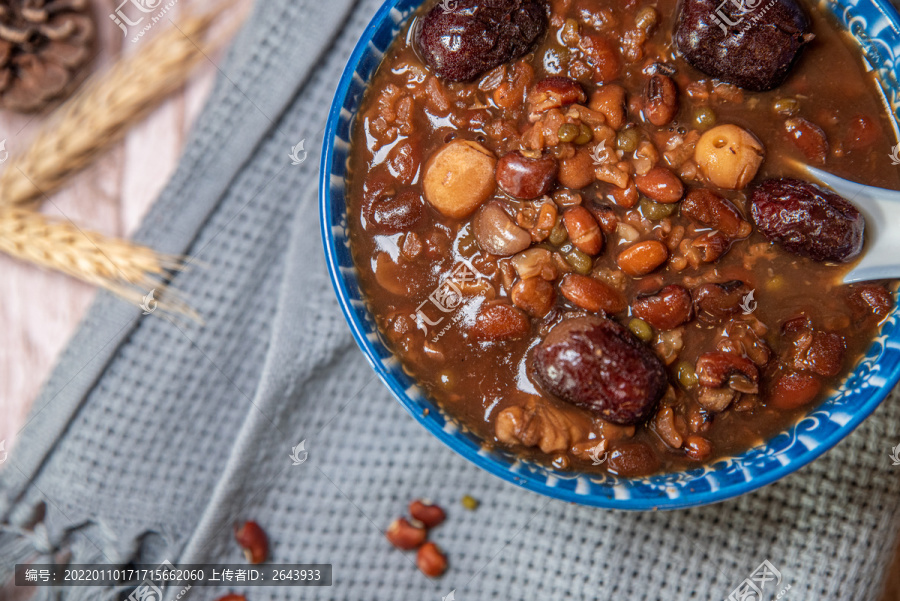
<point x="154" y="436"/>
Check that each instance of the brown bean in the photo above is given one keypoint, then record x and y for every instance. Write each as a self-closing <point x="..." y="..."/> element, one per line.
<point x="793" y="391"/>
<point x="665" y="426"/>
<point x="660" y="184"/>
<point x="625" y="197"/>
<point x="605" y="216"/>
<point x="871" y="299"/>
<point x="426" y="512"/>
<point x="577" y="171"/>
<point x="697" y="448"/>
<point x="526" y="178"/>
<point x="544" y="223"/>
<point x="643" y="257"/>
<point x="717" y="301"/>
<point x="406" y="535"/>
<point x="497" y="233"/>
<point x="602" y="56"/>
<point x="403" y="162"/>
<point x="411" y="245"/>
<point x="609" y="100"/>
<point x="431" y="561"/>
<point x="514" y="92"/>
<point x="591" y="294"/>
<point x="667" y="309"/>
<point x="712" y="210"/>
<point x="566" y="198"/>
<point x="819" y="352"/>
<point x="535" y="262"/>
<point x="583" y="230"/>
<point x="660" y="100"/>
<point x="253" y="541"/>
<point x="796" y="325"/>
<point x="715" y="400"/>
<point x="555" y="92"/>
<point x="712" y="246"/>
<point x="398" y="213"/>
<point x="808" y="138"/>
<point x="717" y="369"/>
<point x="743" y="337"/>
<point x="499" y="321"/>
<point x="862" y="133"/>
<point x="632" y="459"/>
<point x="536" y="296"/>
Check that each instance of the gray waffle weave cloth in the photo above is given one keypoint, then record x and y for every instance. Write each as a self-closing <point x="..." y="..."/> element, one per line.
<point x="153" y="438"/>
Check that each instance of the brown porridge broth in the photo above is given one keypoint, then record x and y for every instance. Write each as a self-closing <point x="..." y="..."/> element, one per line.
<point x="408" y="114"/>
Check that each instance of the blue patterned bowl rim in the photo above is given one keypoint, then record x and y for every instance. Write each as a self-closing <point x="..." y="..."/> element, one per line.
<point x="876" y="28"/>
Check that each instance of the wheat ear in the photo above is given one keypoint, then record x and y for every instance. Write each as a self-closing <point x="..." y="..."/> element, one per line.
<point x="127" y="269"/>
<point x="100" y="115"/>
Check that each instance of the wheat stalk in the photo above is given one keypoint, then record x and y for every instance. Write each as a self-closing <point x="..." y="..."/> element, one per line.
<point x="129" y="270"/>
<point x="100" y="115"/>
<point x="80" y="130"/>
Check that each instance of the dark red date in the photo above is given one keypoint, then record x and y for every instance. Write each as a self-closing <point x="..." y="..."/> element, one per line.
<point x="757" y="55"/>
<point x="475" y="37"/>
<point x="599" y="365"/>
<point x="807" y="220"/>
<point x="399" y="213"/>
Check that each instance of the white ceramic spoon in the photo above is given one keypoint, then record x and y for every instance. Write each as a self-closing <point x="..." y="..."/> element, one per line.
<point x="881" y="208"/>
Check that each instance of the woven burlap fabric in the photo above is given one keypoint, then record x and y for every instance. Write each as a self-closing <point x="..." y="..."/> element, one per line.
<point x="153" y="436"/>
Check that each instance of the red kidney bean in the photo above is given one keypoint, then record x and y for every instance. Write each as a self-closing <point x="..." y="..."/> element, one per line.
<point x="808" y="138"/>
<point x="861" y="133"/>
<point x="526" y="178"/>
<point x="591" y="294"/>
<point x="602" y="56"/>
<point x="405" y="534"/>
<point x="660" y="184"/>
<point x="667" y="309"/>
<point x="709" y="209"/>
<point x="660" y="100"/>
<point x="426" y="512"/>
<point x="555" y="92"/>
<point x="794" y="390"/>
<point x="715" y="369"/>
<point x="499" y="321"/>
<point x="398" y="213"/>
<point x="819" y="352"/>
<point x="583" y="230"/>
<point x="717" y="301"/>
<point x="871" y="299"/>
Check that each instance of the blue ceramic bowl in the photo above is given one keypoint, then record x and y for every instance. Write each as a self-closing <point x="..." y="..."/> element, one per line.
<point x="876" y="27"/>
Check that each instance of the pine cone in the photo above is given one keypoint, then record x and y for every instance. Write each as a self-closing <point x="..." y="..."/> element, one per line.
<point x="45" y="49"/>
